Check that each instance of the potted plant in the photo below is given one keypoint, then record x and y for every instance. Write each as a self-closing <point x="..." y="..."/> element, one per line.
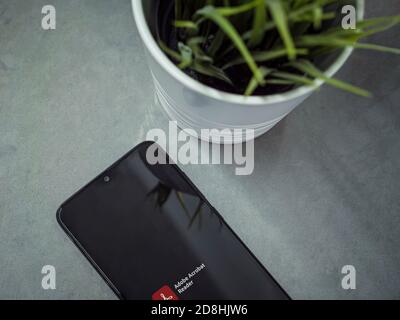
<point x="247" y="63"/>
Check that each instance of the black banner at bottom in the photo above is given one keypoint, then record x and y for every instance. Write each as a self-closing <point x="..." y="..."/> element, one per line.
<point x="195" y="310"/>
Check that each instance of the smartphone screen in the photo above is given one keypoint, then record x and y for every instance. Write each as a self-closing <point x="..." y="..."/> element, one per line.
<point x="152" y="235"/>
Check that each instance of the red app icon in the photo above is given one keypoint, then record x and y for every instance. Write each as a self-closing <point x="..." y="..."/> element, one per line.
<point x="165" y="293"/>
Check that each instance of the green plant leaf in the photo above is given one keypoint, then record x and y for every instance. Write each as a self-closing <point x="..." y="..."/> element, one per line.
<point x="231" y="11"/>
<point x="338" y="42"/>
<point x="367" y="27"/>
<point x="295" y="78"/>
<point x="186" y="55"/>
<point x="308" y="68"/>
<point x="253" y="84"/>
<point x="211" y="71"/>
<point x="217" y="43"/>
<point x="173" y="54"/>
<point x="264" y="56"/>
<point x="317" y="17"/>
<point x="300" y="14"/>
<point x="370" y="46"/>
<point x="211" y="13"/>
<point x="194" y="44"/>
<point x="280" y="81"/>
<point x="185" y="24"/>
<point x="279" y="15"/>
<point x="259" y="21"/>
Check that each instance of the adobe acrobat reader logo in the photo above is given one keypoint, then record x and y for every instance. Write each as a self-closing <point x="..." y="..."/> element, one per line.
<point x="165" y="293"/>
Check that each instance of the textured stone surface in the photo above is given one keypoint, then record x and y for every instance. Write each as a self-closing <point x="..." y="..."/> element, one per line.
<point x="326" y="188"/>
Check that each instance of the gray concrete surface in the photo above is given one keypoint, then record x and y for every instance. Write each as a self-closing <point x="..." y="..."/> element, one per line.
<point x="326" y="188"/>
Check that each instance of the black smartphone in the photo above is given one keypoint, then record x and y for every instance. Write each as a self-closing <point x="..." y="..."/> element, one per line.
<point x="152" y="235"/>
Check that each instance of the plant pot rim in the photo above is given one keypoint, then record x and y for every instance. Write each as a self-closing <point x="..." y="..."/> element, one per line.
<point x="201" y="88"/>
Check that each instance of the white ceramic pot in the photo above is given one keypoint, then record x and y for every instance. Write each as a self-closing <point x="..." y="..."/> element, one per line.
<point x="196" y="106"/>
